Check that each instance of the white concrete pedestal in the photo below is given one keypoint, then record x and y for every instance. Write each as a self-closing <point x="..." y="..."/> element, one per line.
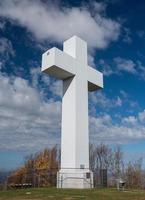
<point x="75" y="178"/>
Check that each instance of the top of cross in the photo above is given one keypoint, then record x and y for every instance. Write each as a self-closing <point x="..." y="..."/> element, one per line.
<point x="63" y="64"/>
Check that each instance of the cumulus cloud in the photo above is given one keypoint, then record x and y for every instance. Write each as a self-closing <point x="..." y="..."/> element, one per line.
<point x="42" y="82"/>
<point x="51" y="22"/>
<point x="27" y="122"/>
<point x="130" y="66"/>
<point x="106" y="68"/>
<point x="121" y="65"/>
<point x="30" y="122"/>
<point x="142" y="116"/>
<point x="91" y="60"/>
<point x="103" y="129"/>
<point x="2" y="25"/>
<point x="130" y="120"/>
<point x="6" y="51"/>
<point x="57" y="88"/>
<point x="127" y="35"/>
<point x="99" y="99"/>
<point x="125" y="65"/>
<point x="141" y="70"/>
<point x="6" y="48"/>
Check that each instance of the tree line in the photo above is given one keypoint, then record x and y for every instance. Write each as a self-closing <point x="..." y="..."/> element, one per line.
<point x="40" y="169"/>
<point x="112" y="159"/>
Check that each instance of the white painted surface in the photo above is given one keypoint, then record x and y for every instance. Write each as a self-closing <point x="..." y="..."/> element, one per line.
<point x="71" y="66"/>
<point x="74" y="179"/>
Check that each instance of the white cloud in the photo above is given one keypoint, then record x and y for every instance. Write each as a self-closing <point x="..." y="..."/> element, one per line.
<point x="54" y="85"/>
<point x="125" y="65"/>
<point x="124" y="94"/>
<point x="106" y="68"/>
<point x="129" y="66"/>
<point x="1" y="64"/>
<point x="118" y="101"/>
<point x="6" y="47"/>
<point x="98" y="7"/>
<point x="127" y="35"/>
<point x="142" y="116"/>
<point x="141" y="70"/>
<point x="130" y="120"/>
<point x="103" y="129"/>
<point x="49" y="21"/>
<point x="91" y="61"/>
<point x="99" y="99"/>
<point x="2" y="25"/>
<point x="6" y="51"/>
<point x="56" y="88"/>
<point x="27" y="122"/>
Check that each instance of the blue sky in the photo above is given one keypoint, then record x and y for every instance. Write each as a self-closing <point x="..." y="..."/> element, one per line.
<point x="30" y="102"/>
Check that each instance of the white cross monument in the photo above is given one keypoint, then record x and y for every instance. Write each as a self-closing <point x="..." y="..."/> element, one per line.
<point x="70" y="65"/>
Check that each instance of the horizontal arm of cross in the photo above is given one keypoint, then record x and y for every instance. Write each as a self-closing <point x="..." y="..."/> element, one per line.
<point x="95" y="79"/>
<point x="58" y="64"/>
<point x="62" y="66"/>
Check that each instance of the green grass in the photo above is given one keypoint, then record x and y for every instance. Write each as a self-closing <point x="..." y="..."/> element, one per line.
<point x="69" y="194"/>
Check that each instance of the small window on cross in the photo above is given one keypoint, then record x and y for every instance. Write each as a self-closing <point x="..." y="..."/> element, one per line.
<point x="87" y="175"/>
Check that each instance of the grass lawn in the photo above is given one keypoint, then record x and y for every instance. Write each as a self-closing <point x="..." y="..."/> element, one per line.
<point x="59" y="194"/>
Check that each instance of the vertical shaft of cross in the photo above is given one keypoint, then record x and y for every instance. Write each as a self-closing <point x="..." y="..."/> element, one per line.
<point x="74" y="143"/>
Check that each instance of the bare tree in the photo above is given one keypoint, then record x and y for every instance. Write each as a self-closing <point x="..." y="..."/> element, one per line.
<point x="117" y="163"/>
<point x="100" y="156"/>
<point x="134" y="174"/>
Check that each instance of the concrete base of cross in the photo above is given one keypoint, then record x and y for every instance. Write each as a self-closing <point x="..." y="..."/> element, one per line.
<point x="75" y="178"/>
